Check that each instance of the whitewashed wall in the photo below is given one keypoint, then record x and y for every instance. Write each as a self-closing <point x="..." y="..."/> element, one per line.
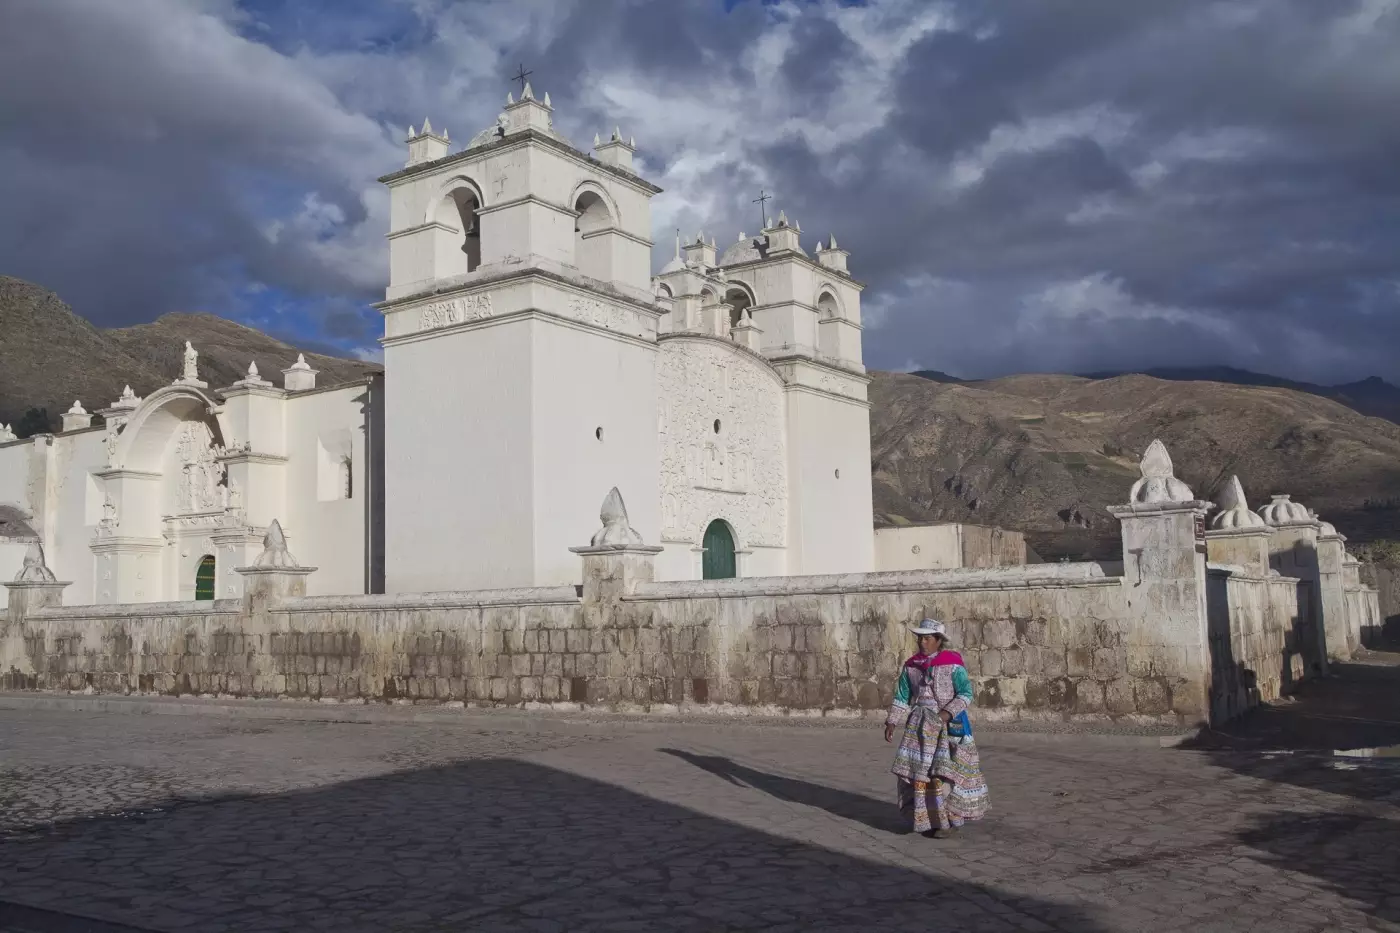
<point x="325" y="530"/>
<point x="937" y="547"/>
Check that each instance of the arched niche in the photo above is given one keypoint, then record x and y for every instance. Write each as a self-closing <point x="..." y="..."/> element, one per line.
<point x="148" y="435"/>
<point x="739" y="299"/>
<point x="828" y="316"/>
<point x="596" y="216"/>
<point x="456" y="208"/>
<point x="176" y="434"/>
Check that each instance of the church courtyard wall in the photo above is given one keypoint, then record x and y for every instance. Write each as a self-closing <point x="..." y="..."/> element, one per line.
<point x="1048" y="642"/>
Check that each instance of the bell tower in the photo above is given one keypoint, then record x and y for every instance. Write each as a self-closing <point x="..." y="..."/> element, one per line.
<point x="520" y="352"/>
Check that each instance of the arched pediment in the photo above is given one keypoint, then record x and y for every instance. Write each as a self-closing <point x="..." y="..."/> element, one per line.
<point x="730" y="347"/>
<point x="146" y="435"/>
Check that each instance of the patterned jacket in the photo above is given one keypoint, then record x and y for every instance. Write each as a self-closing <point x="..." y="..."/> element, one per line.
<point x="939" y="681"/>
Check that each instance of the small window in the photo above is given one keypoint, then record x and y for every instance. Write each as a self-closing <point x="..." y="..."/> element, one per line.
<point x="716" y="425"/>
<point x="598" y="434"/>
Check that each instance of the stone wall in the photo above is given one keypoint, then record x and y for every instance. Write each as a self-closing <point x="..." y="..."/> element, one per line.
<point x="1385" y="578"/>
<point x="1259" y="630"/>
<point x="1043" y="642"/>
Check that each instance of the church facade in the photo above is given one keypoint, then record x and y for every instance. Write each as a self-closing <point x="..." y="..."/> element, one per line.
<point x="533" y="361"/>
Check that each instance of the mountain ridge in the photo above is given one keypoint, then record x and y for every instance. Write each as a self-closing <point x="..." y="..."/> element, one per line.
<point x="50" y="356"/>
<point x="1371" y="396"/>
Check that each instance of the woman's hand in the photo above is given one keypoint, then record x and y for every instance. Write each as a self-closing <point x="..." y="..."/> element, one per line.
<point x="944" y="715"/>
<point x="889" y="731"/>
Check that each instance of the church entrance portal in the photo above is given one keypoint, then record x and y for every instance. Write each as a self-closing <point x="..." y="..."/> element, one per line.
<point x="718" y="562"/>
<point x="204" y="578"/>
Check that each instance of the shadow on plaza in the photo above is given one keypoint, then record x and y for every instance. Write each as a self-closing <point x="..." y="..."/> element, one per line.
<point x="1357" y="856"/>
<point x="481" y="845"/>
<point x="881" y="815"/>
<point x="1340" y="734"/>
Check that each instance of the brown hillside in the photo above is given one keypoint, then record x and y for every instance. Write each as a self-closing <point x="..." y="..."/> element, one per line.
<point x="49" y="356"/>
<point x="1049" y="454"/>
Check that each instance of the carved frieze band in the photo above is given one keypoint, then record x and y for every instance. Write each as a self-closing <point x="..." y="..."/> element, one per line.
<point x="606" y="316"/>
<point x="451" y="311"/>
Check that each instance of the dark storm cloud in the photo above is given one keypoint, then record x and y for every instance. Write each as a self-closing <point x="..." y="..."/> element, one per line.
<point x="813" y="68"/>
<point x="1023" y="185"/>
<point x="137" y="144"/>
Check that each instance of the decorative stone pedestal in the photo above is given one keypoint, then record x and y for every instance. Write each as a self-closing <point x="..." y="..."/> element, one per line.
<point x="274" y="576"/>
<point x="616" y="560"/>
<point x="1164" y="578"/>
<point x="27" y="598"/>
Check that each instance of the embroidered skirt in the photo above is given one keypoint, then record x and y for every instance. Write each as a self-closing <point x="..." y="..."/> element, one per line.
<point x="930" y="759"/>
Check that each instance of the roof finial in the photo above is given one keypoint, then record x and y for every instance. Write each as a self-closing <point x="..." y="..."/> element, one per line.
<point x="427" y="127"/>
<point x="832" y="244"/>
<point x="597" y="140"/>
<point x="546" y="99"/>
<point x="617" y="134"/>
<point x="631" y="142"/>
<point x="510" y="98"/>
<point x="527" y="93"/>
<point x="411" y="131"/>
<point x="252" y="369"/>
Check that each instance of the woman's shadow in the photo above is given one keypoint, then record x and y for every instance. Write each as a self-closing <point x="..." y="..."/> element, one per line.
<point x="850" y="806"/>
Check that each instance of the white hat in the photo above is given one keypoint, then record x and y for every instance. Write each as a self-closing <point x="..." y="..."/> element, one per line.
<point x="928" y="627"/>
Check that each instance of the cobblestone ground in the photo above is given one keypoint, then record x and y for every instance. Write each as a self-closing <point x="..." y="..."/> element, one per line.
<point x="114" y="822"/>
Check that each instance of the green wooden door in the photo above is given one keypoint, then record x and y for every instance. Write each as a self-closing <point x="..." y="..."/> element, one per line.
<point x="718" y="562"/>
<point x="204" y="578"/>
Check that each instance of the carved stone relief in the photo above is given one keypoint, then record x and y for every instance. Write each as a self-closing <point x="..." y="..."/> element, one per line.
<point x="454" y="311"/>
<point x="110" y="443"/>
<point x="201" y="475"/>
<point x="738" y="473"/>
<point x="606" y="316"/>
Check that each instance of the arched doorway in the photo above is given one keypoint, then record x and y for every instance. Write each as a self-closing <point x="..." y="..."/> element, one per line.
<point x="204" y="578"/>
<point x="718" y="562"/>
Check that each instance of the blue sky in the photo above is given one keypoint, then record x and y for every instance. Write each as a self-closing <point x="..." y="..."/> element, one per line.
<point x="1023" y="186"/>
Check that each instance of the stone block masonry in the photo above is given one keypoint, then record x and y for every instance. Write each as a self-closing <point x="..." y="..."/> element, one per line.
<point x="1157" y="639"/>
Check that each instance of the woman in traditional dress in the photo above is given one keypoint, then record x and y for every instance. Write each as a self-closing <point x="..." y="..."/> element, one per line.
<point x="936" y="762"/>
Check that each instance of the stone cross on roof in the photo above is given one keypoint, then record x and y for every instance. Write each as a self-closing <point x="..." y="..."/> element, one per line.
<point x="522" y="75"/>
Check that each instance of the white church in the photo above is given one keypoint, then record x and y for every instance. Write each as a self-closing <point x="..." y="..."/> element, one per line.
<point x="533" y="361"/>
